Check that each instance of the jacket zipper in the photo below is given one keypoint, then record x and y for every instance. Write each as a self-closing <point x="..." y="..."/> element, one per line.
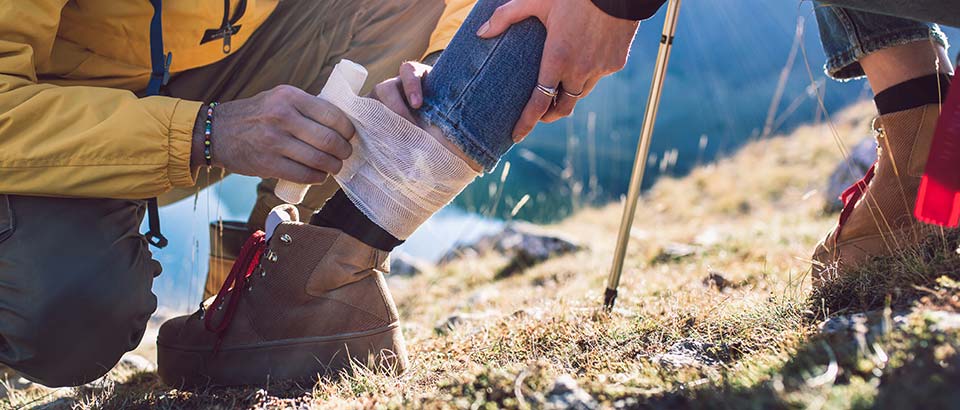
<point x="228" y="26"/>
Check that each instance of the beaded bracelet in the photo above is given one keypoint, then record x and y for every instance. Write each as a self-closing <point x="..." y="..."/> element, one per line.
<point x="207" y="130"/>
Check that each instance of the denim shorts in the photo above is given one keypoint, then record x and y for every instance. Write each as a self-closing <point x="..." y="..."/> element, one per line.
<point x="478" y="88"/>
<point x="848" y="35"/>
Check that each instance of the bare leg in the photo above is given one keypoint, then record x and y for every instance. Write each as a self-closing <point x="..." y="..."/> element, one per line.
<point x="894" y="65"/>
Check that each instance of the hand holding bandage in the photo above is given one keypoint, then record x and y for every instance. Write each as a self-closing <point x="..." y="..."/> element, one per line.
<point x="282" y="133"/>
<point x="399" y="175"/>
<point x="345" y="72"/>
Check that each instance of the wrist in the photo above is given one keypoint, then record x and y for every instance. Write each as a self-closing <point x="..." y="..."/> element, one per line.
<point x="196" y="146"/>
<point x="201" y="153"/>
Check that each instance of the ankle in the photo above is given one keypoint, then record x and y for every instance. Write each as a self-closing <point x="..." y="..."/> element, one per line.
<point x="340" y="213"/>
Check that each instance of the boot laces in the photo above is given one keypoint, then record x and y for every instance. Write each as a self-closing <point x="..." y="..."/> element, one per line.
<point x="852" y="195"/>
<point x="246" y="263"/>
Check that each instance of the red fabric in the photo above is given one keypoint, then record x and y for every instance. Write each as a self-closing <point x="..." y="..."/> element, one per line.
<point x="938" y="201"/>
<point x="852" y="195"/>
<point x="246" y="263"/>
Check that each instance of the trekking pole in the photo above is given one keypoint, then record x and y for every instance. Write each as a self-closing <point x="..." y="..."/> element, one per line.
<point x="643" y="149"/>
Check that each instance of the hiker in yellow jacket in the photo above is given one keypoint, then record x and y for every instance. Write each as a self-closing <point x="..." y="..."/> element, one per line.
<point x="77" y="126"/>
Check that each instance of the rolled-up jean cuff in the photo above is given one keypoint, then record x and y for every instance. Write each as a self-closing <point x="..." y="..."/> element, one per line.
<point x="846" y="65"/>
<point x="479" y="87"/>
<point x="849" y="35"/>
<point x="460" y="137"/>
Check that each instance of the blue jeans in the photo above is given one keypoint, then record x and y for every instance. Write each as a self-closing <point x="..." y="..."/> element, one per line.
<point x="938" y="11"/>
<point x="478" y="88"/>
<point x="848" y="35"/>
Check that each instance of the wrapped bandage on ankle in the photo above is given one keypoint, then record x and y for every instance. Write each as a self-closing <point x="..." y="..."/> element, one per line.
<point x="398" y="174"/>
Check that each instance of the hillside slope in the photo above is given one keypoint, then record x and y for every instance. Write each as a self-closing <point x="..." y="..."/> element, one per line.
<point x="715" y="311"/>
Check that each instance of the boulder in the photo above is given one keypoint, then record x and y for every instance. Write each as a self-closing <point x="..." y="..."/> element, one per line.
<point x="693" y="353"/>
<point x="402" y="264"/>
<point x="717" y="281"/>
<point x="460" y="318"/>
<point x="848" y="172"/>
<point x="12" y="380"/>
<point x="673" y="252"/>
<point x="567" y="394"/>
<point x="524" y="244"/>
<point x="135" y="363"/>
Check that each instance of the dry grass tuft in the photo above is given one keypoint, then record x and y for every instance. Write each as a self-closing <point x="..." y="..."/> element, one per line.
<point x="894" y="281"/>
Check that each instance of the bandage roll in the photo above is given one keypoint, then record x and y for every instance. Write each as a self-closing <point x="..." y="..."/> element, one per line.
<point x="398" y="175"/>
<point x="347" y="73"/>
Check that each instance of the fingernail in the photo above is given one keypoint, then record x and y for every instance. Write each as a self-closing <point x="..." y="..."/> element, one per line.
<point x="415" y="100"/>
<point x="517" y="138"/>
<point x="483" y="28"/>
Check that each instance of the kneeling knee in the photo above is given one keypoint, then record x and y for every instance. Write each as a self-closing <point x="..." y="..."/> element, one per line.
<point x="76" y="350"/>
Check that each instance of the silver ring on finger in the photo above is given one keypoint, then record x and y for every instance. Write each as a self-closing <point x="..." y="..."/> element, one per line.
<point x="551" y="92"/>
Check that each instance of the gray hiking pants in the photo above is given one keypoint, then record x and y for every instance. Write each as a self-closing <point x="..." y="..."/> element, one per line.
<point x="76" y="274"/>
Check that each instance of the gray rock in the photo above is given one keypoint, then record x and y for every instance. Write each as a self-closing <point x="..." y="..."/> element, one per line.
<point x="135" y="363"/>
<point x="402" y="264"/>
<point x="459" y="319"/>
<point x="692" y="353"/>
<point x="10" y="379"/>
<point x="860" y="326"/>
<point x="717" y="281"/>
<point x="526" y="245"/>
<point x="567" y="394"/>
<point x="672" y="252"/>
<point x="862" y="156"/>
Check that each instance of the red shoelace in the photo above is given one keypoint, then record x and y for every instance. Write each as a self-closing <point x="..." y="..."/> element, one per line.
<point x="246" y="263"/>
<point x="851" y="196"/>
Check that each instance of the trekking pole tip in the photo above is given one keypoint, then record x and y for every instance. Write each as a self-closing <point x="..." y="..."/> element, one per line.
<point x="609" y="298"/>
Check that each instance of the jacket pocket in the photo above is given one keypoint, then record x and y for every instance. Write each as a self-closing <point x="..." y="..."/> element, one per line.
<point x="6" y="218"/>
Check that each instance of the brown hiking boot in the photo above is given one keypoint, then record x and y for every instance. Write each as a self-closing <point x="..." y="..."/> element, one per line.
<point x="877" y="218"/>
<point x="226" y="238"/>
<point x="308" y="302"/>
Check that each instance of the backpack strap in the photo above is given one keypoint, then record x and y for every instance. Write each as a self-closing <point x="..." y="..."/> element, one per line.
<point x="159" y="76"/>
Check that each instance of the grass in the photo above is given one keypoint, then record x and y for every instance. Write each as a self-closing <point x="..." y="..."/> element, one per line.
<point x="742" y="299"/>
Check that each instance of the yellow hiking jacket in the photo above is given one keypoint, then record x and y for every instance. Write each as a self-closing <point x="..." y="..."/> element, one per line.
<point x="70" y="123"/>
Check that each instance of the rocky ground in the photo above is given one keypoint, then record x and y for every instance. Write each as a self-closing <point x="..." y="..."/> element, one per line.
<point x="715" y="311"/>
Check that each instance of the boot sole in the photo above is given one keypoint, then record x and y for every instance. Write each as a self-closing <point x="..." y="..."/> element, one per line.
<point x="289" y="359"/>
<point x="877" y="247"/>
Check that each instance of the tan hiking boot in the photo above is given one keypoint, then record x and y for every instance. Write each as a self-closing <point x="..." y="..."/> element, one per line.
<point x="226" y="238"/>
<point x="306" y="303"/>
<point x="877" y="218"/>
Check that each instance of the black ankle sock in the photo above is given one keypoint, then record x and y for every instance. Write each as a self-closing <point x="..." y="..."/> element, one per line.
<point x="340" y="213"/>
<point x="930" y="89"/>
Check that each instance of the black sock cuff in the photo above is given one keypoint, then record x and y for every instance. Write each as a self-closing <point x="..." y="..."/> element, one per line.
<point x="340" y="213"/>
<point x="930" y="89"/>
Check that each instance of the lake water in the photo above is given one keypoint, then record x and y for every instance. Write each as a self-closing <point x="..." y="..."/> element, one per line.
<point x="725" y="68"/>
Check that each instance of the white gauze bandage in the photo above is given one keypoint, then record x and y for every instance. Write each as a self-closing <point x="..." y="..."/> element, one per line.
<point x="398" y="174"/>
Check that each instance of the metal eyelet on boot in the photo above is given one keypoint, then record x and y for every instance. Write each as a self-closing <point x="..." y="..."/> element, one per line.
<point x="272" y="256"/>
<point x="286" y="239"/>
